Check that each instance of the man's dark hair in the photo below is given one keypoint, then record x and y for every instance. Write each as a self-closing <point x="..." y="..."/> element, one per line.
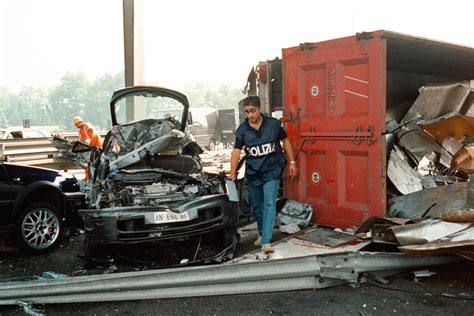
<point x="252" y="100"/>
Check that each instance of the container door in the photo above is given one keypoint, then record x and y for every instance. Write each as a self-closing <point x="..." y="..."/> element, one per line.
<point x="334" y="113"/>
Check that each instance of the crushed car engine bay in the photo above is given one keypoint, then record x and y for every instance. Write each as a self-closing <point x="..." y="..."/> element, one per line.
<point x="147" y="183"/>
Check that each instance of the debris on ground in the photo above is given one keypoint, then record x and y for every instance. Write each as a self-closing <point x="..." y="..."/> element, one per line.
<point x="50" y="275"/>
<point x="30" y="310"/>
<point x="294" y="216"/>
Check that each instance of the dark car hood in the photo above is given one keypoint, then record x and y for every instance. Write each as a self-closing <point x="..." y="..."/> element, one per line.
<point x="30" y="174"/>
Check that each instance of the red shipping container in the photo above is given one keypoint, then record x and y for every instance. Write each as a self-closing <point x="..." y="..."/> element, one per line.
<point x="336" y="94"/>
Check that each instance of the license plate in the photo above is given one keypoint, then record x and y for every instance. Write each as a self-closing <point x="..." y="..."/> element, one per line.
<point x="168" y="217"/>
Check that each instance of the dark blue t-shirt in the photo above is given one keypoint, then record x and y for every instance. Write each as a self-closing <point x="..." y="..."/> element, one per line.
<point x="264" y="157"/>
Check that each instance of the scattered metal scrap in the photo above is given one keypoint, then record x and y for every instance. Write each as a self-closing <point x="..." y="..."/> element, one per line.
<point x="433" y="151"/>
<point x="431" y="163"/>
<point x="436" y="100"/>
<point x="328" y="237"/>
<point x="433" y="201"/>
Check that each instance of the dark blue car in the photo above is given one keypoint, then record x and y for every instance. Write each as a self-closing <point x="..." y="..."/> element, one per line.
<point x="36" y="204"/>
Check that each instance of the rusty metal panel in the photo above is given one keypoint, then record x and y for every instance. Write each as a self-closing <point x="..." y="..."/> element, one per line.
<point x="456" y="126"/>
<point x="334" y="98"/>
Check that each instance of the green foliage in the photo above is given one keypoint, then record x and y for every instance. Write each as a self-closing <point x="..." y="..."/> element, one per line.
<point x="77" y="95"/>
<point x="224" y="97"/>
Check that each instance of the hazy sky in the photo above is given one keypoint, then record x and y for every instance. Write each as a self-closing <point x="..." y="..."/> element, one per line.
<point x="199" y="41"/>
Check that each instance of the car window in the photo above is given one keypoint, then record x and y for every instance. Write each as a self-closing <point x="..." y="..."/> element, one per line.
<point x="15" y="135"/>
<point x="165" y="114"/>
<point x="33" y="134"/>
<point x="149" y="106"/>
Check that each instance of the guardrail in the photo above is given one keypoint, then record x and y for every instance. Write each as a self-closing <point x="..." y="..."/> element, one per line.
<point x="36" y="152"/>
<point x="303" y="273"/>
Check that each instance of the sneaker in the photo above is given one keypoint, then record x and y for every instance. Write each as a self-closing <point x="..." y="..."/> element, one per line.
<point x="267" y="248"/>
<point x="258" y="241"/>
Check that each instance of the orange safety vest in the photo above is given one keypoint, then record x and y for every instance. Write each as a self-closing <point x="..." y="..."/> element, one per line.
<point x="83" y="131"/>
<point x="96" y="140"/>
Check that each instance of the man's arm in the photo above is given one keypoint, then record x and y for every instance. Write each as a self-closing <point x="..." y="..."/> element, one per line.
<point x="234" y="161"/>
<point x="292" y="169"/>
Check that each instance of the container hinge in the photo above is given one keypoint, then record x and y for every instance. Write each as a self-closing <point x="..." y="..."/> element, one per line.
<point x="364" y="36"/>
<point x="363" y="40"/>
<point x="307" y="46"/>
<point x="357" y="136"/>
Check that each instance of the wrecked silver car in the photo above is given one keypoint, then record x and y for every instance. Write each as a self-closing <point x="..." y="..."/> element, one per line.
<point x="148" y="183"/>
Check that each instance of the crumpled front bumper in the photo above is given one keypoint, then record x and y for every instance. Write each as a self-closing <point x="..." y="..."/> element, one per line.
<point x="129" y="224"/>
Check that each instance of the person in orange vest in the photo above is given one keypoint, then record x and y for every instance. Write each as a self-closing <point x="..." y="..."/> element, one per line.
<point x="95" y="139"/>
<point x="87" y="132"/>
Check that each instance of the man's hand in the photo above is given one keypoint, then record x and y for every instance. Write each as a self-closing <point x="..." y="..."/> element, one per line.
<point x="292" y="170"/>
<point x="234" y="160"/>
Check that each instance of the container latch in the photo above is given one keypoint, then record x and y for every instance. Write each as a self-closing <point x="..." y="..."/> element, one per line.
<point x="357" y="136"/>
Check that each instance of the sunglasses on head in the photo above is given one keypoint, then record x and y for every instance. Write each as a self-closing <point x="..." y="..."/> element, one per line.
<point x="250" y="111"/>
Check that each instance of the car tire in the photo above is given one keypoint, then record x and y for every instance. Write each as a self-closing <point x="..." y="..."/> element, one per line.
<point x="40" y="228"/>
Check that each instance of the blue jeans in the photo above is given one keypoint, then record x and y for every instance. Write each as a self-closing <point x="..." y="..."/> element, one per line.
<point x="263" y="204"/>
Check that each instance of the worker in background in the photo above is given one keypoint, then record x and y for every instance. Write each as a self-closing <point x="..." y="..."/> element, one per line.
<point x="95" y="139"/>
<point x="87" y="132"/>
<point x="260" y="136"/>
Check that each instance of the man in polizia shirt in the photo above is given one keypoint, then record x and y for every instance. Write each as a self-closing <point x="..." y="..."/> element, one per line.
<point x="260" y="136"/>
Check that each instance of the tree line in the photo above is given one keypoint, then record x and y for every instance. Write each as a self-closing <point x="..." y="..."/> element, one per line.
<point x="77" y="95"/>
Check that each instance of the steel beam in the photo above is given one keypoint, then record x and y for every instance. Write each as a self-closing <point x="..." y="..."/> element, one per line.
<point x="133" y="53"/>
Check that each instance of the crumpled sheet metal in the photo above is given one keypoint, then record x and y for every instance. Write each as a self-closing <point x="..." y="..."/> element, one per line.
<point x="450" y="147"/>
<point x="175" y="140"/>
<point x="459" y="216"/>
<point x="402" y="175"/>
<point x="435" y="201"/>
<point x="426" y="231"/>
<point x="416" y="142"/>
<point x="427" y="165"/>
<point x="464" y="160"/>
<point x="368" y="223"/>
<point x="436" y="100"/>
<point x="65" y="148"/>
<point x="455" y="126"/>
<point x="460" y="243"/>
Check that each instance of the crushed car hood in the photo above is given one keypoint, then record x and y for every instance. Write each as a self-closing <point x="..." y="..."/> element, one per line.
<point x="135" y="141"/>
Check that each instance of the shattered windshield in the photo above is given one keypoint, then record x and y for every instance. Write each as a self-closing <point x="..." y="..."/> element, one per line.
<point x="139" y="106"/>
